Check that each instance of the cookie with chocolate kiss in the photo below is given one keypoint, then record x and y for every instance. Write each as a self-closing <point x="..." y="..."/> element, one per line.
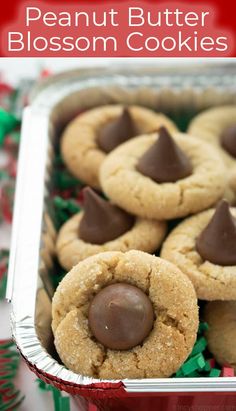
<point x="204" y="248"/>
<point x="102" y="226"/>
<point x="164" y="161"/>
<point x="118" y="315"/>
<point x="163" y="175"/>
<point x="217" y="126"/>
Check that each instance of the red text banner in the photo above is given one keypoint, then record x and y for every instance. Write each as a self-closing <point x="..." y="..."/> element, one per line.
<point x="128" y="29"/>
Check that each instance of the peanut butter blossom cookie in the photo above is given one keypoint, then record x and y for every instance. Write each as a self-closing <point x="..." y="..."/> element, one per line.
<point x="218" y="127"/>
<point x="161" y="176"/>
<point x="221" y="335"/>
<point x="90" y="136"/>
<point x="204" y="248"/>
<point x="102" y="226"/>
<point x="124" y="315"/>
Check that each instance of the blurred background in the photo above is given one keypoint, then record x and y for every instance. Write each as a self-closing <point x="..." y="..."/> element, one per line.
<point x="14" y="69"/>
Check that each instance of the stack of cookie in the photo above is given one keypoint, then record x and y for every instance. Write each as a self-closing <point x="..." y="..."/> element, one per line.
<point x="128" y="314"/>
<point x="103" y="226"/>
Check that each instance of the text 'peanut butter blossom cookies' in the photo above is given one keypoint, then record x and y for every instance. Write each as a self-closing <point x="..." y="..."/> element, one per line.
<point x="218" y="127"/>
<point x="90" y="136"/>
<point x="163" y="176"/>
<point x="101" y="226"/>
<point x="204" y="248"/>
<point x="221" y="335"/>
<point x="124" y="315"/>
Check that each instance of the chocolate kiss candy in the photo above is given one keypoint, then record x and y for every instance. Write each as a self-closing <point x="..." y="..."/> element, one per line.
<point x="121" y="316"/>
<point x="116" y="132"/>
<point x="217" y="242"/>
<point x="228" y="140"/>
<point x="164" y="161"/>
<point x="102" y="221"/>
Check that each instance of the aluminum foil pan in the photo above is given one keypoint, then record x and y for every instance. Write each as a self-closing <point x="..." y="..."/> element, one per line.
<point x="53" y="103"/>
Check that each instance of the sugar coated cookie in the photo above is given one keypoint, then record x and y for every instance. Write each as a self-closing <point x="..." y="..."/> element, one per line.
<point x="124" y="315"/>
<point x="204" y="248"/>
<point x="160" y="176"/>
<point x="102" y="226"/>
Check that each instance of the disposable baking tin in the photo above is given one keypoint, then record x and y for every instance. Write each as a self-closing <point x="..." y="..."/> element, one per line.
<point x="53" y="103"/>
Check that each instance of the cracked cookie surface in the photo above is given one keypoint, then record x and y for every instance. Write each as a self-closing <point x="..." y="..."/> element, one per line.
<point x="79" y="147"/>
<point x="174" y="303"/>
<point x="145" y="235"/>
<point x="142" y="196"/>
<point x="211" y="281"/>
<point x="221" y="336"/>
<point x="209" y="126"/>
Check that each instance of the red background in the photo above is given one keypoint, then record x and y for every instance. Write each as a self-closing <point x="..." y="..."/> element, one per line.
<point x="226" y="16"/>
